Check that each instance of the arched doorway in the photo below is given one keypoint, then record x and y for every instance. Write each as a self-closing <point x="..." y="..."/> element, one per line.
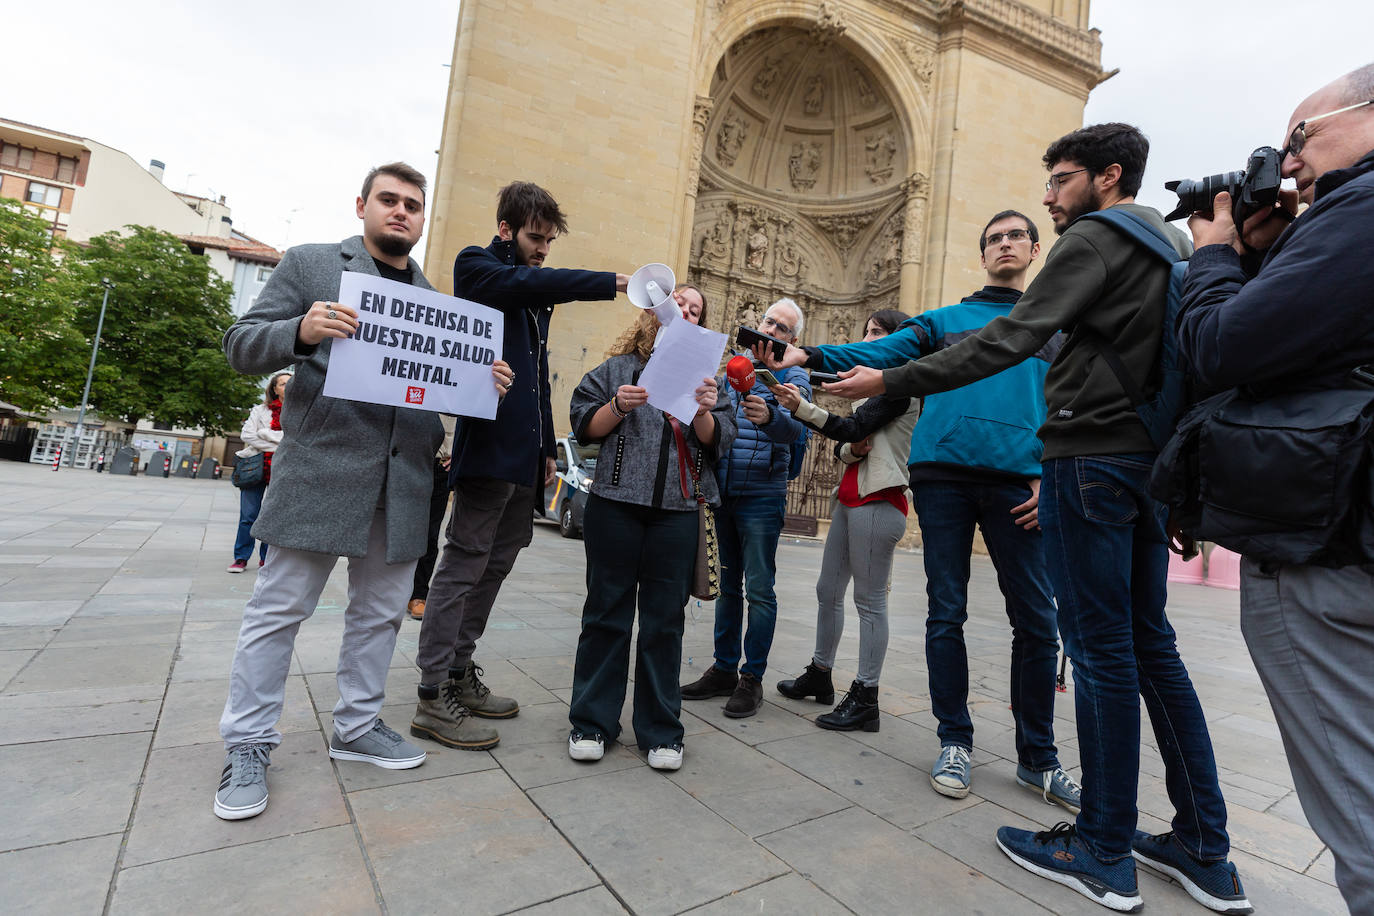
<point x="803" y="191"/>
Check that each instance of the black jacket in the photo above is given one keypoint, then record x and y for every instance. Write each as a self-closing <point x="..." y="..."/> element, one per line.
<point x="1307" y="316"/>
<point x="513" y="446"/>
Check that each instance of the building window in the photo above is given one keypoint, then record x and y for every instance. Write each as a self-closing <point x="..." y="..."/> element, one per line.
<point x="263" y="274"/>
<point x="66" y="169"/>
<point x="45" y="194"/>
<point x="16" y="157"/>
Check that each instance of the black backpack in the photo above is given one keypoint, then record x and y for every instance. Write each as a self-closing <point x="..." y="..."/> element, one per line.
<point x="1160" y="411"/>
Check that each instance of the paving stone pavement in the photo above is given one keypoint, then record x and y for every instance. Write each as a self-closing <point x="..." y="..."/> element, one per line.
<point x="117" y="627"/>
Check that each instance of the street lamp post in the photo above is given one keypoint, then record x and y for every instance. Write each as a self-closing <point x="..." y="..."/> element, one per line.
<point x="90" y="370"/>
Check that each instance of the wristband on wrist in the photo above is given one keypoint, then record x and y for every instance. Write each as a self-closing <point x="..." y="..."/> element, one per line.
<point x="615" y="408"/>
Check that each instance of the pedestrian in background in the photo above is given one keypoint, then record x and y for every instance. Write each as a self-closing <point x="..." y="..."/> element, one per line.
<point x="261" y="435"/>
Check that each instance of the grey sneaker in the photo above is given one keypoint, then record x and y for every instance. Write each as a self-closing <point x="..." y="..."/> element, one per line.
<point x="243" y="784"/>
<point x="380" y="746"/>
<point x="952" y="773"/>
<point x="446" y="720"/>
<point x="1055" y="786"/>
<point x="478" y="698"/>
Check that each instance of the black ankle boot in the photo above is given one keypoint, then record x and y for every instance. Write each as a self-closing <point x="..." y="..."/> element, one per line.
<point x="858" y="709"/>
<point x="814" y="682"/>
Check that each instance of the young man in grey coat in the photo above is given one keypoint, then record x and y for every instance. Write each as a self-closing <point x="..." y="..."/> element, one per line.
<point x="350" y="479"/>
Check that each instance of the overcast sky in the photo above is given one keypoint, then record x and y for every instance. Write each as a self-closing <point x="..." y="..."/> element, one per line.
<point x="282" y="111"/>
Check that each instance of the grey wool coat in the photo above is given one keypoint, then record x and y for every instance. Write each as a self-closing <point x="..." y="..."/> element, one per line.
<point x="336" y="456"/>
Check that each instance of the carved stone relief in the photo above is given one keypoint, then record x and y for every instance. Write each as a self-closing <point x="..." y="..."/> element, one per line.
<point x="701" y="113"/>
<point x="790" y="260"/>
<point x="730" y="137"/>
<point x="887" y="252"/>
<point x="767" y="77"/>
<point x="757" y="247"/>
<point x="843" y="229"/>
<point x="922" y="62"/>
<point x="715" y="246"/>
<point x="917" y="190"/>
<point x="838" y="328"/>
<point x="829" y="25"/>
<point x="879" y="151"/>
<point x="867" y="97"/>
<point x="814" y="99"/>
<point x="803" y="164"/>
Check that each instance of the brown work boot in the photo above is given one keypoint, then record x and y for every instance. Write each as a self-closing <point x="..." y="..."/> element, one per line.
<point x="416" y="607"/>
<point x="716" y="682"/>
<point x="448" y="721"/>
<point x="475" y="695"/>
<point x="746" y="699"/>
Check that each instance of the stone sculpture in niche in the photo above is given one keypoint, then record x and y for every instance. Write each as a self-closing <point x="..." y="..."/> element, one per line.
<point x="767" y="77"/>
<point x="867" y="97"/>
<point x="730" y="138"/>
<point x="880" y="149"/>
<point x="814" y="99"/>
<point x="803" y="164"/>
<point x="757" y="248"/>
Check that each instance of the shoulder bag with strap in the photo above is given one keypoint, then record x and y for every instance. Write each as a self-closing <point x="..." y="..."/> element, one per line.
<point x="706" y="569"/>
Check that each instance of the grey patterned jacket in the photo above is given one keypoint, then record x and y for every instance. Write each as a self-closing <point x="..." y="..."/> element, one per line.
<point x="638" y="461"/>
<point x="336" y="456"/>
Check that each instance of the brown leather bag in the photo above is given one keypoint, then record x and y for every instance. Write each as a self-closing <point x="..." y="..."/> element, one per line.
<point x="706" y="569"/>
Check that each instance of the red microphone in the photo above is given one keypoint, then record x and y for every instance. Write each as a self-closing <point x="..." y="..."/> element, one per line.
<point x="740" y="373"/>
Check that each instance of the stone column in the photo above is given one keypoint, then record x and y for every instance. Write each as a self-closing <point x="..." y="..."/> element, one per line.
<point x="917" y="191"/>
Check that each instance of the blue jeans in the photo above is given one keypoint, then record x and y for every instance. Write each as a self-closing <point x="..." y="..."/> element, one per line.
<point x="1108" y="559"/>
<point x="250" y="503"/>
<point x="948" y="512"/>
<point x="747" y="528"/>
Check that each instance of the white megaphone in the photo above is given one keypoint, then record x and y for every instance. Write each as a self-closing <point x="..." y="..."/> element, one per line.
<point x="651" y="287"/>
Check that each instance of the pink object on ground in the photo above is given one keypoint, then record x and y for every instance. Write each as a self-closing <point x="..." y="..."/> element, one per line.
<point x="1188" y="572"/>
<point x="1223" y="569"/>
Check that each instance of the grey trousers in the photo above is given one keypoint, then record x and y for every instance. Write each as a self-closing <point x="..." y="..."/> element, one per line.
<point x="859" y="546"/>
<point x="1310" y="631"/>
<point x="491" y="522"/>
<point x="287" y="590"/>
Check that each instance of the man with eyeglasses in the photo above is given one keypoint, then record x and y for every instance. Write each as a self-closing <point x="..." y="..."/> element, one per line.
<point x="1105" y="543"/>
<point x="753" y="489"/>
<point x="975" y="463"/>
<point x="1302" y="319"/>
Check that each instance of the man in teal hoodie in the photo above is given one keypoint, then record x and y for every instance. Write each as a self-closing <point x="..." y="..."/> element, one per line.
<point x="975" y="463"/>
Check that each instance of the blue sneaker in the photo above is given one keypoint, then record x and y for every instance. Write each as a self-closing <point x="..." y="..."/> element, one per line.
<point x="1215" y="885"/>
<point x="1060" y="855"/>
<point x="1055" y="786"/>
<point x="952" y="772"/>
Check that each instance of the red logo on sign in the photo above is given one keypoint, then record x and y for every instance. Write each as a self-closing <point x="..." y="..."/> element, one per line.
<point x="415" y="395"/>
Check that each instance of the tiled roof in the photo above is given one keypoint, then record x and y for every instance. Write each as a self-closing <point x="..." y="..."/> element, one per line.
<point x="235" y="248"/>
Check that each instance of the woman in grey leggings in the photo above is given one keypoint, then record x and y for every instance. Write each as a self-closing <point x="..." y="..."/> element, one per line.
<point x="869" y="520"/>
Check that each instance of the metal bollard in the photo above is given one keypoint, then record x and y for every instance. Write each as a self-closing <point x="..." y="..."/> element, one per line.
<point x="57" y="459"/>
<point x="167" y="467"/>
<point x="195" y="467"/>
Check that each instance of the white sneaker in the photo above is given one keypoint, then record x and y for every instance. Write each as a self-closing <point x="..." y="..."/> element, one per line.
<point x="666" y="757"/>
<point x="585" y="747"/>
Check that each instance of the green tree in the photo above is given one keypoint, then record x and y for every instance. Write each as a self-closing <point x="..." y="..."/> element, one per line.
<point x="160" y="351"/>
<point x="42" y="354"/>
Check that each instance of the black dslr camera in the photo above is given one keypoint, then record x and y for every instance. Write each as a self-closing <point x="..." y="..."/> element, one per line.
<point x="1252" y="190"/>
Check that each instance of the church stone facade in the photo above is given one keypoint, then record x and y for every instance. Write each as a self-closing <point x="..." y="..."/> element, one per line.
<point x="845" y="153"/>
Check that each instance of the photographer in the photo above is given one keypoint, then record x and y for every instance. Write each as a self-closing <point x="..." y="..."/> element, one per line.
<point x="1302" y="322"/>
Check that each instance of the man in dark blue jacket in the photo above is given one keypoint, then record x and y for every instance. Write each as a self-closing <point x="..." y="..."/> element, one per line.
<point x="500" y="466"/>
<point x="975" y="463"/>
<point x="1303" y="321"/>
<point x="753" y="490"/>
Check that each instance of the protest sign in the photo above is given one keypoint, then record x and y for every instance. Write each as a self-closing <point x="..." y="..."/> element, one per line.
<point x="415" y="348"/>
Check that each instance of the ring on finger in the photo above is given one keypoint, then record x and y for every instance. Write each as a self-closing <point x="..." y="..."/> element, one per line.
<point x="331" y="314"/>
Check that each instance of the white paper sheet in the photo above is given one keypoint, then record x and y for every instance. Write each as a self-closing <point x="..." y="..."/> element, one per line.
<point x="686" y="354"/>
<point x="415" y="348"/>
